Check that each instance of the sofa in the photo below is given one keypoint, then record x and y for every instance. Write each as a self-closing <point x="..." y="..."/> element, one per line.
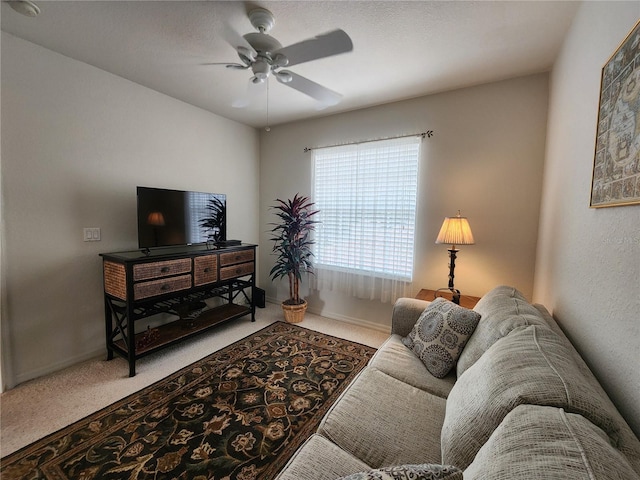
<point x="519" y="402"/>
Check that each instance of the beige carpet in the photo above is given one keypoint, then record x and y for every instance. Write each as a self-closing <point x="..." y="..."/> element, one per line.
<point x="42" y="406"/>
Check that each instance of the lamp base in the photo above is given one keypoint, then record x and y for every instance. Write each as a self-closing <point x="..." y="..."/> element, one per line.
<point x="455" y="294"/>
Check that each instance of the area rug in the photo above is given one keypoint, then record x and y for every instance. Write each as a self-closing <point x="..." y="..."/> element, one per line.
<point x="239" y="413"/>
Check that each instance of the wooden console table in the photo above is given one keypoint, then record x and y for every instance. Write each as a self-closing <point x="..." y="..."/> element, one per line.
<point x="138" y="285"/>
<point x="466" y="301"/>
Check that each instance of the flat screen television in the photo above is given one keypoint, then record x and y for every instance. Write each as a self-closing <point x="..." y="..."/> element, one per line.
<point x="176" y="217"/>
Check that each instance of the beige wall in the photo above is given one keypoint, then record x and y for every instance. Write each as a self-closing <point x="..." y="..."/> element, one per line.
<point x="485" y="159"/>
<point x="588" y="262"/>
<point x="75" y="143"/>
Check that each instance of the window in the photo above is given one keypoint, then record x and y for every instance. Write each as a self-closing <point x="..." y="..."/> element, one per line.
<point x="195" y="209"/>
<point x="366" y="194"/>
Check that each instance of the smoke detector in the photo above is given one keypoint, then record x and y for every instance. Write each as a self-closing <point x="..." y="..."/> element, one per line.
<point x="25" y="7"/>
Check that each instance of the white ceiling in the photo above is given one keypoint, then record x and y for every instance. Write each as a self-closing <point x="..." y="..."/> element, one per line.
<point x="402" y="49"/>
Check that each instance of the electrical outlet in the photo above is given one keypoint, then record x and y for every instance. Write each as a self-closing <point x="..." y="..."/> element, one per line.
<point x="91" y="234"/>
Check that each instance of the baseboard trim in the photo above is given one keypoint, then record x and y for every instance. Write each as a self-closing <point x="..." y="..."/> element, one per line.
<point x="342" y="318"/>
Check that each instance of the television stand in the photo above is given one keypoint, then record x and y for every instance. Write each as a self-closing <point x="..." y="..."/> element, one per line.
<point x="176" y="281"/>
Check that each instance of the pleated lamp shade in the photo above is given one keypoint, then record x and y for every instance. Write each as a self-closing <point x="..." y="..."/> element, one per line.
<point x="156" y="219"/>
<point x="455" y="231"/>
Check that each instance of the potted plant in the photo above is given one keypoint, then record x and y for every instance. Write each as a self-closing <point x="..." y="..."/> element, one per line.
<point x="292" y="246"/>
<point x="215" y="222"/>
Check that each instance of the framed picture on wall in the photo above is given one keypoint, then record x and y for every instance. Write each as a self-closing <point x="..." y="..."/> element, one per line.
<point x="616" y="165"/>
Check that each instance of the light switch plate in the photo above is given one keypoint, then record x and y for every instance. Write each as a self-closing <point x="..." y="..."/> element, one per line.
<point x="91" y="234"/>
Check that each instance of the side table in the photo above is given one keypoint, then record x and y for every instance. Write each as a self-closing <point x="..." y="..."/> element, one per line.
<point x="466" y="301"/>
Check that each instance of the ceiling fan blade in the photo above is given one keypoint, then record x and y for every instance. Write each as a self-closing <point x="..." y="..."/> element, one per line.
<point x="236" y="66"/>
<point x="326" y="45"/>
<point x="239" y="43"/>
<point x="316" y="91"/>
<point x="252" y="96"/>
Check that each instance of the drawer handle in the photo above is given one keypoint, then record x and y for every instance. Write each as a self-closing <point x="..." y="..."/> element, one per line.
<point x="238" y="257"/>
<point x="165" y="287"/>
<point x="207" y="270"/>
<point x="164" y="269"/>
<point x="238" y="270"/>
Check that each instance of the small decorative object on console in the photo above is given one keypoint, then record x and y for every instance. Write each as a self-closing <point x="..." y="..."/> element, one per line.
<point x="147" y="338"/>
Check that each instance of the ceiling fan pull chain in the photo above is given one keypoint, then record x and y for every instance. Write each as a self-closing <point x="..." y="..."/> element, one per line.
<point x="267" y="128"/>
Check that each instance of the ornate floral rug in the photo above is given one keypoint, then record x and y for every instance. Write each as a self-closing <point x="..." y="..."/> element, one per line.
<point x="239" y="413"/>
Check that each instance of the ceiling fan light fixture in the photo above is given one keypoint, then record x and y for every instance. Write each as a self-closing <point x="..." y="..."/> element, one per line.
<point x="261" y="69"/>
<point x="284" y="76"/>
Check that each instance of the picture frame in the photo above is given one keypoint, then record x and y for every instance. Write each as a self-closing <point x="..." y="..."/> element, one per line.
<point x="616" y="164"/>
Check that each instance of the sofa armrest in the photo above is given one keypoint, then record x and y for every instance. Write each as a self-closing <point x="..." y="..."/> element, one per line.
<point x="406" y="312"/>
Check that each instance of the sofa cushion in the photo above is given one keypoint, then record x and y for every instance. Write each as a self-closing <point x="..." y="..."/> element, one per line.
<point x="531" y="365"/>
<point x="425" y="471"/>
<point x="319" y="459"/>
<point x="628" y="442"/>
<point x="502" y="309"/>
<point x="548" y="443"/>
<point x="440" y="334"/>
<point x="396" y="360"/>
<point x="383" y="421"/>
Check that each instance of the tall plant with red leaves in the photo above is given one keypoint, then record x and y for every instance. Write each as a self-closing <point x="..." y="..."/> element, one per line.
<point x="292" y="243"/>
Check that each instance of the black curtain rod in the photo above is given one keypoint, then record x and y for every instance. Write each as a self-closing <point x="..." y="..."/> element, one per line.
<point x="428" y="134"/>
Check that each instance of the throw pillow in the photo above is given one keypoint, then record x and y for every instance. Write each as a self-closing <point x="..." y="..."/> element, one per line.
<point x="440" y="334"/>
<point x="423" y="471"/>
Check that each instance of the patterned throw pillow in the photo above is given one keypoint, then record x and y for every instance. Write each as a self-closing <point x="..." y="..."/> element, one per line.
<point x="440" y="334"/>
<point x="425" y="471"/>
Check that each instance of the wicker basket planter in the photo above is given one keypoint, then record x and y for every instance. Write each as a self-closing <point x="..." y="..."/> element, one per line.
<point x="294" y="313"/>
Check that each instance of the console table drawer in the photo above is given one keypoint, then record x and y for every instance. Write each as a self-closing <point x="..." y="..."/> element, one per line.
<point x="205" y="269"/>
<point x="145" y="271"/>
<point x="236" y="271"/>
<point x="236" y="257"/>
<point x="161" y="287"/>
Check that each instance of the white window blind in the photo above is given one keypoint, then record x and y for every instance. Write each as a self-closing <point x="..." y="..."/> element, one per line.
<point x="366" y="194"/>
<point x="195" y="209"/>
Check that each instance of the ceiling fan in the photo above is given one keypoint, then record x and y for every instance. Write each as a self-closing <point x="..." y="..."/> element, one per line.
<point x="266" y="56"/>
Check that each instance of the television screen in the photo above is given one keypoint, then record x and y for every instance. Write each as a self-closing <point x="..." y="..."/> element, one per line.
<point x="176" y="217"/>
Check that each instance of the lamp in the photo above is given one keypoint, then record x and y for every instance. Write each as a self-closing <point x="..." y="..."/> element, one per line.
<point x="455" y="231"/>
<point x="156" y="219"/>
